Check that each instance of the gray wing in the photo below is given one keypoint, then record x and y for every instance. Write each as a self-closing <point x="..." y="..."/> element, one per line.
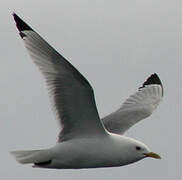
<point x="137" y="107"/>
<point x="70" y="92"/>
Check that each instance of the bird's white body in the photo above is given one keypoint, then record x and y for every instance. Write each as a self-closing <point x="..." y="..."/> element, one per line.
<point x="90" y="152"/>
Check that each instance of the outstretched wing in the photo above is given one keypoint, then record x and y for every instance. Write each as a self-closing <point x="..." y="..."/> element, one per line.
<point x="137" y="107"/>
<point x="71" y="93"/>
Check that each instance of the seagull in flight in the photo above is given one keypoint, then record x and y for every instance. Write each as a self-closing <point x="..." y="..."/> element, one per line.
<point x="85" y="140"/>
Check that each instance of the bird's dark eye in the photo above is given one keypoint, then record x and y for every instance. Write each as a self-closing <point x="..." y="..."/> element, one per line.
<point x="138" y="148"/>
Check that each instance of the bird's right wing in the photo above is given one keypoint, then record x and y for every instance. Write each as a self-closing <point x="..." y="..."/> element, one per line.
<point x="137" y="107"/>
<point x="72" y="95"/>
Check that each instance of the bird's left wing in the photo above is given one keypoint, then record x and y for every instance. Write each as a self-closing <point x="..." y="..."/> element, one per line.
<point x="71" y="93"/>
<point x="138" y="106"/>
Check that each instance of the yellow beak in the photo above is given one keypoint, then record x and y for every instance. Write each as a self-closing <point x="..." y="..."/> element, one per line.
<point x="152" y="155"/>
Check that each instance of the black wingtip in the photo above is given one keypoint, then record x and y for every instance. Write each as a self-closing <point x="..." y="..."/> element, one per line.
<point x="20" y="24"/>
<point x="153" y="79"/>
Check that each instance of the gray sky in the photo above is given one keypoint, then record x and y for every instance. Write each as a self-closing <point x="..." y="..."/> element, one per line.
<point x="116" y="45"/>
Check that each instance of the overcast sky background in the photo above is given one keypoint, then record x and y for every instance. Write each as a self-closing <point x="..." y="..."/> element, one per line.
<point x="116" y="45"/>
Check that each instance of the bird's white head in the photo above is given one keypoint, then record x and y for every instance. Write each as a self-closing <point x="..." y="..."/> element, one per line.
<point x="134" y="150"/>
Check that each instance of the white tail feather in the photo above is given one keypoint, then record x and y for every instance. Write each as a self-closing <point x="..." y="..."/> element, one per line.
<point x="32" y="156"/>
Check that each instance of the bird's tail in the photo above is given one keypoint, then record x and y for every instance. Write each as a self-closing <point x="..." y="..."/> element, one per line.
<point x="32" y="156"/>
